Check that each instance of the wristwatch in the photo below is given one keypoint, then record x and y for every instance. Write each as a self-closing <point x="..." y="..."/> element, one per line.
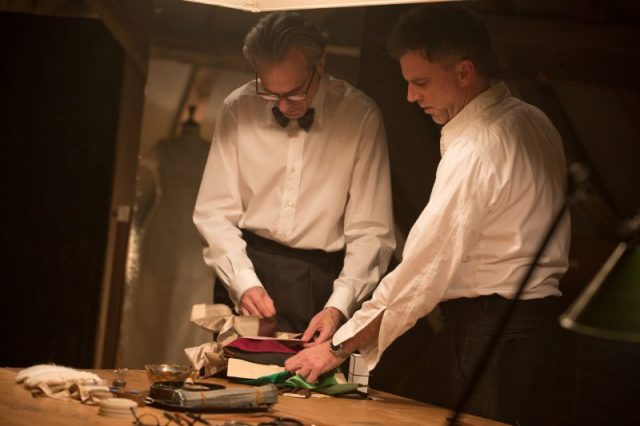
<point x="338" y="351"/>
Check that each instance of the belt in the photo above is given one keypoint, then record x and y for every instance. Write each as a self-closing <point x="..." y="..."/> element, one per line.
<point x="262" y="244"/>
<point x="494" y="302"/>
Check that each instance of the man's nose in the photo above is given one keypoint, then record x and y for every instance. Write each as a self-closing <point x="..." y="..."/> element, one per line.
<point x="283" y="104"/>
<point x="412" y="96"/>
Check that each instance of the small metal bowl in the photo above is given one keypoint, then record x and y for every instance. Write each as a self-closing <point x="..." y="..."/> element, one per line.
<point x="169" y="372"/>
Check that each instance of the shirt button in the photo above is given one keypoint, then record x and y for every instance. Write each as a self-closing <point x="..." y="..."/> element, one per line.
<point x="289" y="203"/>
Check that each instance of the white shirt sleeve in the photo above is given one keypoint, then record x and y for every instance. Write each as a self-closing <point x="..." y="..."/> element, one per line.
<point x="368" y="220"/>
<point x="437" y="244"/>
<point x="219" y="208"/>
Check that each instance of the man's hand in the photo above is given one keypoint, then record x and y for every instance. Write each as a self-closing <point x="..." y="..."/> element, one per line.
<point x="257" y="302"/>
<point x="313" y="362"/>
<point x="324" y="324"/>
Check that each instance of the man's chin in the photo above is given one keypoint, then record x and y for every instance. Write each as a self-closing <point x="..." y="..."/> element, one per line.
<point x="439" y="119"/>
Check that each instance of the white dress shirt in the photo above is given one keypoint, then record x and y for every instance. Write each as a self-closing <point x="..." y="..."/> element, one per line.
<point x="326" y="189"/>
<point x="499" y="184"/>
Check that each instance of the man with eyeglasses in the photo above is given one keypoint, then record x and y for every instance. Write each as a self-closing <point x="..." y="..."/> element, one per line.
<point x="294" y="206"/>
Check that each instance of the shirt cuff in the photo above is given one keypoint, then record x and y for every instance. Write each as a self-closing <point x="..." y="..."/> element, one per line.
<point x="243" y="281"/>
<point x="372" y="351"/>
<point x="341" y="300"/>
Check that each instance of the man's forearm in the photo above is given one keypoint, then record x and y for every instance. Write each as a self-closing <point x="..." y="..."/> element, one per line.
<point x="365" y="336"/>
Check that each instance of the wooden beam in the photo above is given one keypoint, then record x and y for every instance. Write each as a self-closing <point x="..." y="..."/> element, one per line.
<point x="130" y="23"/>
<point x="69" y="8"/>
<point x="212" y="53"/>
<point x="122" y="201"/>
<point x="50" y="7"/>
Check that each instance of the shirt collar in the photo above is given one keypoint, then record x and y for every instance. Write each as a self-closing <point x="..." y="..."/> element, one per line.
<point x="454" y="128"/>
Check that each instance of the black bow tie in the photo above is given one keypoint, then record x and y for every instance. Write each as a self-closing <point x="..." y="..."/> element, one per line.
<point x="304" y="122"/>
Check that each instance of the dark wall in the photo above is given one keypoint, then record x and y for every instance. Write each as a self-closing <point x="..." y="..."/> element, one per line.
<point x="598" y="381"/>
<point x="60" y="85"/>
<point x="414" y="150"/>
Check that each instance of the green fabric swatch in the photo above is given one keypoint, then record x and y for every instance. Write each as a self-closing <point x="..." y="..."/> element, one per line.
<point x="327" y="384"/>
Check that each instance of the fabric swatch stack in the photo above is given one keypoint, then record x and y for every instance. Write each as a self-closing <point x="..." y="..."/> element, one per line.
<point x="250" y="358"/>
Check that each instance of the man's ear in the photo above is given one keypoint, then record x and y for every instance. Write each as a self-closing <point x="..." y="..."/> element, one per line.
<point x="465" y="72"/>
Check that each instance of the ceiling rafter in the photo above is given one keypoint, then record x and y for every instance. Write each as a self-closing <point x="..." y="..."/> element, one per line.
<point x="130" y="24"/>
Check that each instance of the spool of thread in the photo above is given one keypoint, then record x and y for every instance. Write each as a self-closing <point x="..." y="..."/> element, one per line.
<point x="116" y="407"/>
<point x="99" y="395"/>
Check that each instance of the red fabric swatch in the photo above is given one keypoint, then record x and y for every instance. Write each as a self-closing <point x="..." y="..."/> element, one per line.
<point x="248" y="344"/>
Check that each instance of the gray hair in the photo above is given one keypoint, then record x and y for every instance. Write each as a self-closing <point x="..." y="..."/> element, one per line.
<point x="271" y="38"/>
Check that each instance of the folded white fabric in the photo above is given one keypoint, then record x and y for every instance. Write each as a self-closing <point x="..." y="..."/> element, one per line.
<point x="37" y="369"/>
<point x="51" y="375"/>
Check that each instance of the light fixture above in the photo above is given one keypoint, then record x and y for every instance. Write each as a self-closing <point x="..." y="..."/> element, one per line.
<point x="271" y="5"/>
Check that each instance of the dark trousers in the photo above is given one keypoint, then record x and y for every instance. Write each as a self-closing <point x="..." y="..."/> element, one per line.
<point x="299" y="281"/>
<point x="519" y="375"/>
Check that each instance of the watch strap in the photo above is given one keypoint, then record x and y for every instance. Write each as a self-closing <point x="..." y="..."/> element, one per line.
<point x="338" y="351"/>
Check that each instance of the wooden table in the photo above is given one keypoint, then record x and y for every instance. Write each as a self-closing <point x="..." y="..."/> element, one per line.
<point x="18" y="407"/>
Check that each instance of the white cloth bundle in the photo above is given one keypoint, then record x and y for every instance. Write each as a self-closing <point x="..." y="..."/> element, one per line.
<point x="60" y="382"/>
<point x="51" y="375"/>
<point x="38" y="369"/>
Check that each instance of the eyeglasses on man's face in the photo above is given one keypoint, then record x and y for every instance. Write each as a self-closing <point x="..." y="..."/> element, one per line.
<point x="273" y="97"/>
